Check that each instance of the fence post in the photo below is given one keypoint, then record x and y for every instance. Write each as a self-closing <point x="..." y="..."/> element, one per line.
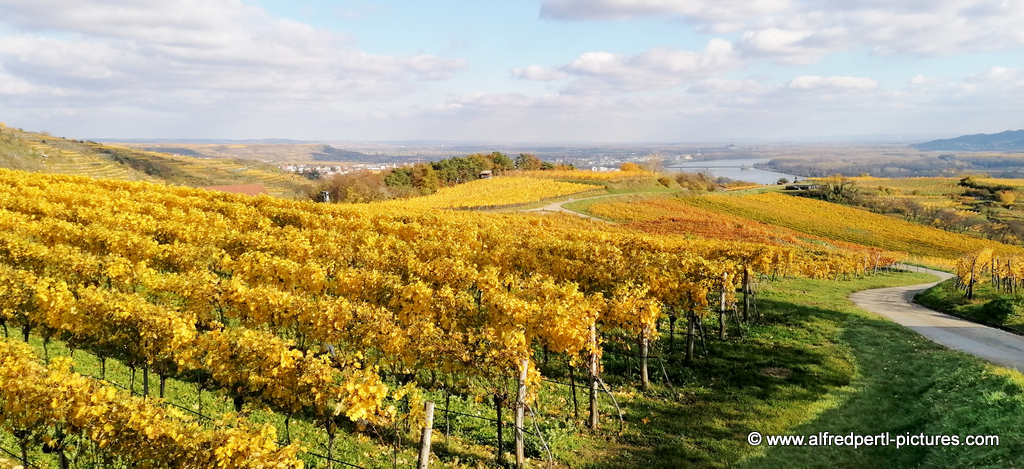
<point x="520" y="414"/>
<point x="746" y="293"/>
<point x="721" y="310"/>
<point x="572" y="383"/>
<point x="501" y="437"/>
<point x="645" y="379"/>
<point x="593" y="378"/>
<point x="425" y="440"/>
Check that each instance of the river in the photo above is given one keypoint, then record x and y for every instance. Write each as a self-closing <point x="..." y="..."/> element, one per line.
<point x="740" y="170"/>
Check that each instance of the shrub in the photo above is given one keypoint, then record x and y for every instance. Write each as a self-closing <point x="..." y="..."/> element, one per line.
<point x="1000" y="309"/>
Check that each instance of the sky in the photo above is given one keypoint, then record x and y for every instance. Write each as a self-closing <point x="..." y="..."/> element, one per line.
<point x="511" y="71"/>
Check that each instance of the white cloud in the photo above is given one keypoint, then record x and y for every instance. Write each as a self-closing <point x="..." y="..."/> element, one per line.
<point x="537" y="73"/>
<point x="723" y="12"/>
<point x="920" y="79"/>
<point x="809" y="82"/>
<point x="803" y="31"/>
<point x="195" y="52"/>
<point x="654" y="69"/>
<point x="996" y="74"/>
<point x="721" y="86"/>
<point x="791" y="47"/>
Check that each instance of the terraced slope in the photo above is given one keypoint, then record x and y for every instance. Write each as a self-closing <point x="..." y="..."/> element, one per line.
<point x="31" y="151"/>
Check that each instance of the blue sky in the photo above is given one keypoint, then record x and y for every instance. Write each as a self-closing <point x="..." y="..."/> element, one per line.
<point x="581" y="71"/>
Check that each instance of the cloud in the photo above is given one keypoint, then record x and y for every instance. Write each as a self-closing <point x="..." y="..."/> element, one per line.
<point x="537" y="73"/>
<point x="996" y="74"/>
<point x="723" y="12"/>
<point x="654" y="69"/>
<point x="804" y="31"/>
<point x="791" y="47"/>
<point x="721" y="86"/>
<point x="808" y="82"/>
<point x="920" y="79"/>
<point x="195" y="52"/>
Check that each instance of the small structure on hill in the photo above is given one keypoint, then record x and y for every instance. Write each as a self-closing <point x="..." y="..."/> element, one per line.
<point x="486" y="174"/>
<point x="803" y="187"/>
<point x="247" y="189"/>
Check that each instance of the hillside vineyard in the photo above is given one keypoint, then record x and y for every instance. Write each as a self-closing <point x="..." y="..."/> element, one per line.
<point x="251" y="293"/>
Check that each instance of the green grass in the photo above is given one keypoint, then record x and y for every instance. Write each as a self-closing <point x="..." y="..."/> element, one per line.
<point x="816" y="363"/>
<point x="583" y="206"/>
<point x="946" y="298"/>
<point x="903" y="384"/>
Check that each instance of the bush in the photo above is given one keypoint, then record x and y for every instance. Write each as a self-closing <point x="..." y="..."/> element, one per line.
<point x="1000" y="309"/>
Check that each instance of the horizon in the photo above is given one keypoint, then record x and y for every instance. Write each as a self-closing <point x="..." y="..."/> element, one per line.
<point x="880" y="139"/>
<point x="588" y="72"/>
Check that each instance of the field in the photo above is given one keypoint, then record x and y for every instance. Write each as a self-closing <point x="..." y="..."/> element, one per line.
<point x="848" y="224"/>
<point x="499" y="192"/>
<point x="674" y="216"/>
<point x="149" y="325"/>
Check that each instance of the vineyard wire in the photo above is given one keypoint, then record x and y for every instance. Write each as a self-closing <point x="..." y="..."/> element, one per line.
<point x="18" y="458"/>
<point x="208" y="418"/>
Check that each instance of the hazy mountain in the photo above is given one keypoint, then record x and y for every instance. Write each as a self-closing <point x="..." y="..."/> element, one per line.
<point x="1011" y="141"/>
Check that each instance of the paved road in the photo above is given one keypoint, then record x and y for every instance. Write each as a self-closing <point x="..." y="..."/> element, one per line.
<point x="997" y="346"/>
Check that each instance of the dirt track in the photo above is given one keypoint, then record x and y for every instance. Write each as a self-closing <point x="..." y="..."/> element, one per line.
<point x="997" y="346"/>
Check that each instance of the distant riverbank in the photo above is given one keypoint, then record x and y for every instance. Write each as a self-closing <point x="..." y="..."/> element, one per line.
<point x="741" y="170"/>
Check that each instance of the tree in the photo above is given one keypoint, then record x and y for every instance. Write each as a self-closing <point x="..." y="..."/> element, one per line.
<point x="838" y="188"/>
<point x="501" y="161"/>
<point x="354" y="187"/>
<point x="458" y="170"/>
<point x="782" y="181"/>
<point x="425" y="178"/>
<point x="485" y="162"/>
<point x="630" y="167"/>
<point x="398" y="177"/>
<point x="528" y="162"/>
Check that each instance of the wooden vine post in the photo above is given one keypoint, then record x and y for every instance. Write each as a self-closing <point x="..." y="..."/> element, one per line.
<point x="593" y="369"/>
<point x="572" y="383"/>
<point x="645" y="342"/>
<point x="521" y="414"/>
<point x="501" y="437"/>
<point x="691" y="324"/>
<point x="721" y="309"/>
<point x="428" y="427"/>
<point x="746" y="293"/>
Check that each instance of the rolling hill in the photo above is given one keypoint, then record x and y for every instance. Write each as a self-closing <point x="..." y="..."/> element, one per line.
<point x="1010" y="141"/>
<point x="41" y="152"/>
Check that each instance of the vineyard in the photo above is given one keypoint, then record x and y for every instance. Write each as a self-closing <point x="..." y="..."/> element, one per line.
<point x="848" y="224"/>
<point x="672" y="216"/>
<point x="339" y="321"/>
<point x="506" y="191"/>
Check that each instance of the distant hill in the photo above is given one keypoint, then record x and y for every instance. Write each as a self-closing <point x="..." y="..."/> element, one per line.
<point x="31" y="151"/>
<point x="1010" y="141"/>
<point x="329" y="153"/>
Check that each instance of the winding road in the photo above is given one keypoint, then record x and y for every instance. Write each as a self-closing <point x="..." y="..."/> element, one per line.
<point x="896" y="303"/>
